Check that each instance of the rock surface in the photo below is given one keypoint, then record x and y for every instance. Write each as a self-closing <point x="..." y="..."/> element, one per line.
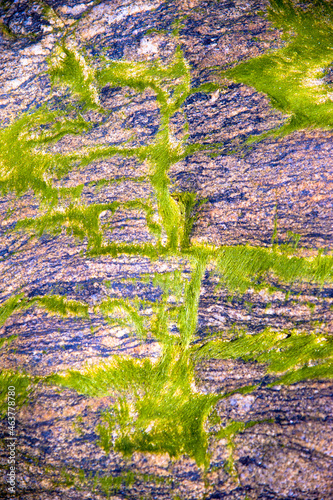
<point x="278" y="183"/>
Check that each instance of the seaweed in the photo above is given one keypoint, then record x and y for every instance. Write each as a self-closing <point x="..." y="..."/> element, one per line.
<point x="158" y="408"/>
<point x="292" y="76"/>
<point x="291" y="355"/>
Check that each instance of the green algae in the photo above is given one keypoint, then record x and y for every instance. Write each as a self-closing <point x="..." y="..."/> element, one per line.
<point x="318" y="372"/>
<point x="107" y="483"/>
<point x="62" y="306"/>
<point x="67" y="67"/>
<point x="293" y="355"/>
<point x="6" y="32"/>
<point x="292" y="76"/>
<point x="240" y="267"/>
<point x="189" y="312"/>
<point x="47" y="13"/>
<point x="228" y="432"/>
<point x="23" y="165"/>
<point x="122" y="306"/>
<point x="15" y="303"/>
<point x="188" y="204"/>
<point x="84" y="221"/>
<point x="24" y="386"/>
<point x="157" y="408"/>
<point x="7" y="340"/>
<point x="52" y="303"/>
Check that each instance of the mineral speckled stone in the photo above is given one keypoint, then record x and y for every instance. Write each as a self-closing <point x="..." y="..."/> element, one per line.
<point x="165" y="252"/>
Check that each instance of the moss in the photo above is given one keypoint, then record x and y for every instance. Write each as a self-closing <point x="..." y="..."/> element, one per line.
<point x="291" y="76"/>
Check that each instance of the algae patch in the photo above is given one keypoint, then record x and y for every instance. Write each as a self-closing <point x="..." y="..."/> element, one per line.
<point x="24" y="386"/>
<point x="298" y="356"/>
<point x="158" y="408"/>
<point x="241" y="267"/>
<point x="293" y="76"/>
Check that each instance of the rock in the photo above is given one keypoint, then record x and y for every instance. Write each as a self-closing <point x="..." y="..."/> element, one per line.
<point x="270" y="443"/>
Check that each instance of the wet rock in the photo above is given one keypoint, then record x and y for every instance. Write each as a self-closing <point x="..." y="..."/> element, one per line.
<point x="272" y="189"/>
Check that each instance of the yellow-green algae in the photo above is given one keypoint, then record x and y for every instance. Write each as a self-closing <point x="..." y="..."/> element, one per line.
<point x="292" y="76"/>
<point x="240" y="267"/>
<point x="7" y="340"/>
<point x="157" y="408"/>
<point x="284" y="352"/>
<point x="24" y="385"/>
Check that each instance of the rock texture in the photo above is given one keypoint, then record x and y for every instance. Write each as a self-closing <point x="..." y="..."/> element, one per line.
<point x="281" y="184"/>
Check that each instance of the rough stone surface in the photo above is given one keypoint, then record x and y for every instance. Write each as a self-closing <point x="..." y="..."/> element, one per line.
<point x="279" y="181"/>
